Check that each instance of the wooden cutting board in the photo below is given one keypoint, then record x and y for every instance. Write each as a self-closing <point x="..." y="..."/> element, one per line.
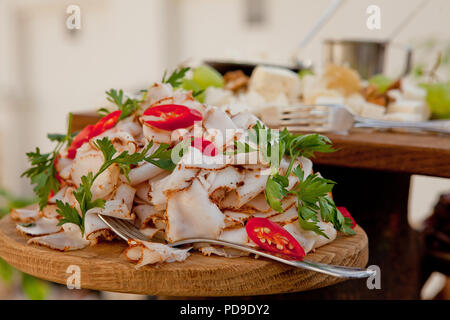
<point x="104" y="267"/>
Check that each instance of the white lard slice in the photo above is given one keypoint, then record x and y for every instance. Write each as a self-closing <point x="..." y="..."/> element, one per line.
<point x="69" y="239"/>
<point x="190" y="213"/>
<point x="41" y="227"/>
<point x="144" y="253"/>
<point x="310" y="240"/>
<point x="25" y="215"/>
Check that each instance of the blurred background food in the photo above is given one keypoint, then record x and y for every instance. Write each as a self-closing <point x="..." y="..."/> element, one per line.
<point x="47" y="70"/>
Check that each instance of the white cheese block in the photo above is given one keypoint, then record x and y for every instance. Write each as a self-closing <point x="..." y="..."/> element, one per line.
<point x="416" y="107"/>
<point x="412" y="91"/>
<point x="270" y="82"/>
<point x="371" y="110"/>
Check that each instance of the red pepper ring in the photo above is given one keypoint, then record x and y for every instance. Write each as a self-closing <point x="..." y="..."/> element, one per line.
<point x="78" y="141"/>
<point x="55" y="164"/>
<point x="272" y="237"/>
<point x="172" y="116"/>
<point x="205" y="146"/>
<point x="91" y="131"/>
<point x="106" y="123"/>
<point x="346" y="214"/>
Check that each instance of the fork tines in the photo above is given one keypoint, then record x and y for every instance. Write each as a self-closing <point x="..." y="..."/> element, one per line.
<point x="302" y="118"/>
<point x="125" y="229"/>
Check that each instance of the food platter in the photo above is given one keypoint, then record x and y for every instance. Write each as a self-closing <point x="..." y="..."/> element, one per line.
<point x="104" y="267"/>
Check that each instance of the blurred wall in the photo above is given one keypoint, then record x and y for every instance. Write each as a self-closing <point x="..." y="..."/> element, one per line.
<point x="221" y="28"/>
<point x="47" y="70"/>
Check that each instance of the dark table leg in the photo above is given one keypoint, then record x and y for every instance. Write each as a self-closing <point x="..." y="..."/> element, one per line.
<point x="378" y="201"/>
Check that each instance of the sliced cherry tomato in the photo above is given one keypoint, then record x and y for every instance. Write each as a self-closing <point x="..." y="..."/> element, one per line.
<point x="106" y="123"/>
<point x="274" y="238"/>
<point x="345" y="213"/>
<point x="172" y="116"/>
<point x="205" y="146"/>
<point x="78" y="141"/>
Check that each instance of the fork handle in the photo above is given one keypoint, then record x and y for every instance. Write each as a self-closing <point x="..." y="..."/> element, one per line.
<point x="438" y="126"/>
<point x="332" y="270"/>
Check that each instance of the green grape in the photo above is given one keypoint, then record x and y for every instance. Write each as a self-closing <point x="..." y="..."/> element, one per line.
<point x="381" y="82"/>
<point x="438" y="99"/>
<point x="189" y="84"/>
<point x="206" y="76"/>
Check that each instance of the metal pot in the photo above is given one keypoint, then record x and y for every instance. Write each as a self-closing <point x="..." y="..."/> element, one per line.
<point x="367" y="57"/>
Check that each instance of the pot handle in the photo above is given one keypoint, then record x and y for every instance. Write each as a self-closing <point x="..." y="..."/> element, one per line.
<point x="409" y="55"/>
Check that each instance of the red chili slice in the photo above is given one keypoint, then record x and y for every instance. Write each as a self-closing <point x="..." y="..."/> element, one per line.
<point x="106" y="123"/>
<point x="55" y="164"/>
<point x="172" y="116"/>
<point x="274" y="238"/>
<point x="205" y="146"/>
<point x="91" y="131"/>
<point x="78" y="141"/>
<point x="345" y="213"/>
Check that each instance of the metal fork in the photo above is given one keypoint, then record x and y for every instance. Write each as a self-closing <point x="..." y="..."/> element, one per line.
<point x="128" y="231"/>
<point x="337" y="118"/>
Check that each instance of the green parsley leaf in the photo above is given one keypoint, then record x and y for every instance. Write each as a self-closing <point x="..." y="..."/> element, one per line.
<point x="176" y="78"/>
<point x="276" y="190"/>
<point x="313" y="198"/>
<point x="43" y="172"/>
<point x="162" y="158"/>
<point x="103" y="112"/>
<point x="306" y="145"/>
<point x="127" y="106"/>
<point x="69" y="214"/>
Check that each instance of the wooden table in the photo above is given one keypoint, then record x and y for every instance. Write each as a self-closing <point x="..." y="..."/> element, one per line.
<point x="373" y="171"/>
<point x="104" y="267"/>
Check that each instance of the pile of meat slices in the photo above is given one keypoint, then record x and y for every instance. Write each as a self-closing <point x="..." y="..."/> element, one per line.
<point x="211" y="198"/>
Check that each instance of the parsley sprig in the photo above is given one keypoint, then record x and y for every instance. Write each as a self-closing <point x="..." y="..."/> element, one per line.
<point x="127" y="105"/>
<point x="43" y="172"/>
<point x="176" y="77"/>
<point x="313" y="197"/>
<point x="124" y="160"/>
<point x="313" y="192"/>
